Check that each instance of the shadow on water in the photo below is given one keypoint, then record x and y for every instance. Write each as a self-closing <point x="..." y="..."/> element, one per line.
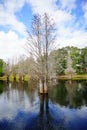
<point x="22" y="108"/>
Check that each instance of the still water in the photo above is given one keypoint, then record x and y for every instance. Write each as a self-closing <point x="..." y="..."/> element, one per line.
<point x="63" y="108"/>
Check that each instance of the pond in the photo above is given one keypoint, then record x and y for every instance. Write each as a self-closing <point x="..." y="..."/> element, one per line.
<point x="63" y="108"/>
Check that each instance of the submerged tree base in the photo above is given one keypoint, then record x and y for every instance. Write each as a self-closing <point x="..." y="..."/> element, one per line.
<point x="44" y="91"/>
<point x="43" y="88"/>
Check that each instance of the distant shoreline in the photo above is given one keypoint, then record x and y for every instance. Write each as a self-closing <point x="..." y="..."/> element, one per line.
<point x="60" y="77"/>
<point x="73" y="77"/>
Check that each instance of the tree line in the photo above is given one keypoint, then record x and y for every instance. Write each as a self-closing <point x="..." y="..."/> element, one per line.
<point x="57" y="61"/>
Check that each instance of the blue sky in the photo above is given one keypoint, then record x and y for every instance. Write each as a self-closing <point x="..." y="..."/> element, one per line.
<point x="70" y="17"/>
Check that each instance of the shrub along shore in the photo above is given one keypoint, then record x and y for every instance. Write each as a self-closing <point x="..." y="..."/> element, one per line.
<point x="15" y="78"/>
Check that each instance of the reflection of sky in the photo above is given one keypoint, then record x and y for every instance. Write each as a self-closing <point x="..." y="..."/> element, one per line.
<point x="20" y="110"/>
<point x="13" y="100"/>
<point x="59" y="117"/>
<point x="71" y="119"/>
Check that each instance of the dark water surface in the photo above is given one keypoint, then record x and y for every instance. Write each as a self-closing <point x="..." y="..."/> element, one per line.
<point x="63" y="108"/>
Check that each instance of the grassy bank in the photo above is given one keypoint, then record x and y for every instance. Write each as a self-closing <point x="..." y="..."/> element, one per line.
<point x="73" y="77"/>
<point x="62" y="77"/>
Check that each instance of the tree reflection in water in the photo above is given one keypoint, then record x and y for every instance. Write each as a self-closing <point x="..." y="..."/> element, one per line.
<point x="72" y="94"/>
<point x="46" y="118"/>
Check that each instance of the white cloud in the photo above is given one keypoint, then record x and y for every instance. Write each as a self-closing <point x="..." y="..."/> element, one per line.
<point x="11" y="45"/>
<point x="13" y="6"/>
<point x="41" y="6"/>
<point x="68" y="4"/>
<point x="50" y="6"/>
<point x="76" y="38"/>
<point x="60" y="17"/>
<point x="8" y="17"/>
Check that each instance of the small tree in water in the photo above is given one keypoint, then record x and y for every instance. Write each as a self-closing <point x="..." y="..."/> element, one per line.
<point x="69" y="70"/>
<point x="40" y="44"/>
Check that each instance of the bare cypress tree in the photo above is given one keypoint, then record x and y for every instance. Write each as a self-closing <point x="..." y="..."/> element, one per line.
<point x="40" y="44"/>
